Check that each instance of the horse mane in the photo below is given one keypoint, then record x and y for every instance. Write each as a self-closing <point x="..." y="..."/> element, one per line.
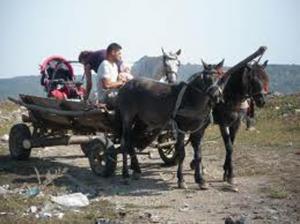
<point x="262" y="75"/>
<point x="193" y="77"/>
<point x="233" y="86"/>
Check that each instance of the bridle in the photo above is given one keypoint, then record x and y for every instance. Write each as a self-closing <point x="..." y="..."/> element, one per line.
<point x="207" y="89"/>
<point x="249" y="90"/>
<point x="167" y="71"/>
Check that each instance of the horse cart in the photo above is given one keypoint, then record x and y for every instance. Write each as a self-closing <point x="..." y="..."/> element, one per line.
<point x="52" y="122"/>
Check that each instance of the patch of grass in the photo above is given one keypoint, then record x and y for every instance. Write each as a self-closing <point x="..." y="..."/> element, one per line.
<point x="7" y="107"/>
<point x="134" y="206"/>
<point x="276" y="192"/>
<point x="277" y="123"/>
<point x="16" y="207"/>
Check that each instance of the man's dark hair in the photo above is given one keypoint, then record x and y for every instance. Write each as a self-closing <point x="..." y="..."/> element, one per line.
<point x="83" y="55"/>
<point x="113" y="47"/>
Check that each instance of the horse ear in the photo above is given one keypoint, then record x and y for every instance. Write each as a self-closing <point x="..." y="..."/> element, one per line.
<point x="220" y="65"/>
<point x="163" y="51"/>
<point x="205" y="66"/>
<point x="178" y="52"/>
<point x="265" y="64"/>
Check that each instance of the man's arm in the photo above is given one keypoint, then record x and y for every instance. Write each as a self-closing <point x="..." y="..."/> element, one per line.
<point x="88" y="75"/>
<point x="108" y="84"/>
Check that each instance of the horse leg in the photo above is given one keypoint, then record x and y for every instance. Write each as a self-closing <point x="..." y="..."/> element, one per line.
<point x="179" y="146"/>
<point x="126" y="145"/>
<point x="197" y="161"/>
<point x="134" y="164"/>
<point x="192" y="164"/>
<point x="233" y="129"/>
<point x="228" y="168"/>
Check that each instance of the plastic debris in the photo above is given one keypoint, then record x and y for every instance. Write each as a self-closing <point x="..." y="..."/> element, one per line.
<point x="71" y="200"/>
<point x="184" y="208"/>
<point x="33" y="209"/>
<point x="4" y="190"/>
<point x="5" y="138"/>
<point x="32" y="192"/>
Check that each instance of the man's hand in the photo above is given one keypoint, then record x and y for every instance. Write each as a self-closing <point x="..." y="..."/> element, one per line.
<point x="125" y="76"/>
<point x="108" y="84"/>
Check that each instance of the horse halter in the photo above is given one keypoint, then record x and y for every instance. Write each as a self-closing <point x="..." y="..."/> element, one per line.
<point x="167" y="69"/>
<point x="206" y="89"/>
<point x="249" y="91"/>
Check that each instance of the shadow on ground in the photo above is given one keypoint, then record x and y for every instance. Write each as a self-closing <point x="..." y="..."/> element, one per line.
<point x="64" y="174"/>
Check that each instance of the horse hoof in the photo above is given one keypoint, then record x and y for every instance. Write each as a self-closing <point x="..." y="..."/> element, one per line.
<point x="136" y="175"/>
<point x="182" y="185"/>
<point x="203" y="186"/>
<point x="232" y="188"/>
<point x="231" y="181"/>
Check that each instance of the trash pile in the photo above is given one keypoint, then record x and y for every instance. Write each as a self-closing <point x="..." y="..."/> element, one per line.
<point x="53" y="206"/>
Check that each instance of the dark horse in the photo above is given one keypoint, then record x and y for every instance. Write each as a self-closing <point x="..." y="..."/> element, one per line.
<point x="251" y="81"/>
<point x="154" y="105"/>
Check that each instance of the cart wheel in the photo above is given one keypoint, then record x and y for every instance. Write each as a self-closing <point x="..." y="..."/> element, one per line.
<point x="167" y="153"/>
<point x="102" y="157"/>
<point x="18" y="134"/>
<point x="84" y="148"/>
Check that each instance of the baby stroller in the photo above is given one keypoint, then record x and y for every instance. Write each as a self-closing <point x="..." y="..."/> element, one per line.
<point x="58" y="79"/>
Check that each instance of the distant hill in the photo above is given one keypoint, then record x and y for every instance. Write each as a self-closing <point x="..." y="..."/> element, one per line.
<point x="284" y="79"/>
<point x="22" y="84"/>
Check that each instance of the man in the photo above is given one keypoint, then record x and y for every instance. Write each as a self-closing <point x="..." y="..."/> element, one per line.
<point x="109" y="80"/>
<point x="91" y="61"/>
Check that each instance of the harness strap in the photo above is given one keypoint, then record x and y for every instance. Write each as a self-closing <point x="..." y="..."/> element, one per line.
<point x="179" y="100"/>
<point x="177" y="105"/>
<point x="175" y="126"/>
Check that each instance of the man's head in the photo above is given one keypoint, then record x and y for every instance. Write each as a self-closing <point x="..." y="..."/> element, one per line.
<point x="114" y="52"/>
<point x="83" y="56"/>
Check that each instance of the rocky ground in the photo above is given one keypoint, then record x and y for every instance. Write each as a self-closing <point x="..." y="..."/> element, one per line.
<point x="267" y="163"/>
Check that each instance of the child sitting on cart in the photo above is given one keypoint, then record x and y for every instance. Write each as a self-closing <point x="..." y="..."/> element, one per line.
<point x="58" y="79"/>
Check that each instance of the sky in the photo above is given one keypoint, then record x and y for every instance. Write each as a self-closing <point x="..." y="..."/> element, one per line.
<point x="204" y="29"/>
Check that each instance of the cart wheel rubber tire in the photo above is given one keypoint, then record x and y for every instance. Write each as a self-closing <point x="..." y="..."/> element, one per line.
<point x="168" y="154"/>
<point x="19" y="133"/>
<point x="102" y="157"/>
<point x="169" y="160"/>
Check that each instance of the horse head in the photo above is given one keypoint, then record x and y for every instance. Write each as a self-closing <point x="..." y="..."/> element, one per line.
<point x="171" y="65"/>
<point x="206" y="81"/>
<point x="256" y="82"/>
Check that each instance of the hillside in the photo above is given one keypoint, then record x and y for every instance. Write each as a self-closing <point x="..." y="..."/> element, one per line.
<point x="284" y="79"/>
<point x="23" y="84"/>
